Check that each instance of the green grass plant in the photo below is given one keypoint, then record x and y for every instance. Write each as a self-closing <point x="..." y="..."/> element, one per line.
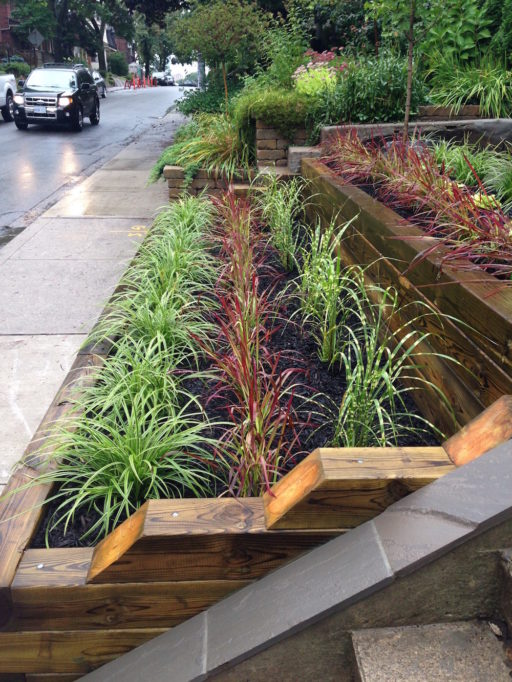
<point x="463" y="160"/>
<point x="282" y="209"/>
<point x="325" y="288"/>
<point x="487" y="83"/>
<point x="380" y="361"/>
<point x="212" y="143"/>
<point x="112" y="462"/>
<point x="136" y="433"/>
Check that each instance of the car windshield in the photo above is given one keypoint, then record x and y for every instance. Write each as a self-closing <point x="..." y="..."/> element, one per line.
<point x="53" y="79"/>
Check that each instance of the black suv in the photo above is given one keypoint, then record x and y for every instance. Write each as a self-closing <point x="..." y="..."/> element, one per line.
<point x="57" y="94"/>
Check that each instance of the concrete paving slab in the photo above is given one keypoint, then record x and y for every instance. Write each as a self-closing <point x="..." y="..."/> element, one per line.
<point x="144" y="162"/>
<point x="114" y="180"/>
<point x="32" y="369"/>
<point x="28" y="233"/>
<point x="84" y="239"/>
<point x="119" y="203"/>
<point x="55" y="296"/>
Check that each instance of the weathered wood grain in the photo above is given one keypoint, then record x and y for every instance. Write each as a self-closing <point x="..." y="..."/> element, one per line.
<point x="67" y="652"/>
<point x="56" y="567"/>
<point x="476" y="298"/>
<point x="20" y="511"/>
<point x="216" y="539"/>
<point x="481" y="346"/>
<point x="121" y="606"/>
<point x="491" y="428"/>
<point x="52" y="677"/>
<point x="345" y="487"/>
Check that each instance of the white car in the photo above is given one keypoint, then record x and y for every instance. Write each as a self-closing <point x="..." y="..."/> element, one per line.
<point x="7" y="90"/>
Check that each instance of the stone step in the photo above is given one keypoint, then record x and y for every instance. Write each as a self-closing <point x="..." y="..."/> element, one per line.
<point x="296" y="154"/>
<point x="455" y="652"/>
<point x="282" y="172"/>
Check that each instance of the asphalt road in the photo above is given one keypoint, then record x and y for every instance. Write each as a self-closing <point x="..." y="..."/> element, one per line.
<point x="37" y="165"/>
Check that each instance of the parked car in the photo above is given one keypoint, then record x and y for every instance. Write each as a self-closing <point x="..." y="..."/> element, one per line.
<point x="7" y="90"/>
<point x="57" y="94"/>
<point x="163" y="78"/>
<point x="101" y="86"/>
<point x="14" y="58"/>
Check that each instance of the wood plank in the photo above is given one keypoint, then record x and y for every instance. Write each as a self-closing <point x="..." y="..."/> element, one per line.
<point x="485" y="307"/>
<point x="67" y="652"/>
<point x="54" y="567"/>
<point x="20" y="511"/>
<point x="122" y="605"/>
<point x="345" y="487"/>
<point x="215" y="539"/>
<point x="490" y="429"/>
<point x="52" y="677"/>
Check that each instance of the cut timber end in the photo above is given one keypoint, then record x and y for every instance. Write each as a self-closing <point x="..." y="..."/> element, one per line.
<point x="112" y="548"/>
<point x="206" y="539"/>
<point x="491" y="428"/>
<point x="341" y="488"/>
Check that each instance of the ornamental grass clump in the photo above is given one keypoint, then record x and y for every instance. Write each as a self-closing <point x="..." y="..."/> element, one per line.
<point x="136" y="432"/>
<point x="325" y="288"/>
<point x="282" y="210"/>
<point x="257" y="395"/>
<point x="382" y="358"/>
<point x="470" y="229"/>
<point x="212" y="143"/>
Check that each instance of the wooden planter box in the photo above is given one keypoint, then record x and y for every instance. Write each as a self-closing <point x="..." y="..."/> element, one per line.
<point x="64" y="612"/>
<point x="482" y="344"/>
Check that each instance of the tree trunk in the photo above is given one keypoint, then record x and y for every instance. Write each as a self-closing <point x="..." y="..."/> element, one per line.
<point x="201" y="72"/>
<point x="410" y="64"/>
<point x="102" y="62"/>
<point x="224" y="76"/>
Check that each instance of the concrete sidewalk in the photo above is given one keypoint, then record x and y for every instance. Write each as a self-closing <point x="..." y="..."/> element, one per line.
<point x="57" y="275"/>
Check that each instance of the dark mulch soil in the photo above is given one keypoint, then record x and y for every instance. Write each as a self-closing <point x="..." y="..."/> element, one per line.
<point x="293" y="342"/>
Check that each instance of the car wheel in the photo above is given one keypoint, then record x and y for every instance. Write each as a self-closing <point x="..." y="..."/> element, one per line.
<point x="21" y="126"/>
<point x="78" y="120"/>
<point x="95" y="116"/>
<point x="8" y="110"/>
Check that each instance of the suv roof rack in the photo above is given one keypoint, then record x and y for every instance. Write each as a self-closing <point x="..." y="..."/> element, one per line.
<point x="62" y="65"/>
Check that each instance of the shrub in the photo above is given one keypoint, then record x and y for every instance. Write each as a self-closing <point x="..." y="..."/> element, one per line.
<point x="209" y="101"/>
<point x="369" y="90"/>
<point x="117" y="64"/>
<point x="19" y="69"/>
<point x="284" y="110"/>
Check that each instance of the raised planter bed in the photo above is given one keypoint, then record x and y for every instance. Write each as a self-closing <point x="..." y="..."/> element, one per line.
<point x="430" y="111"/>
<point x="211" y="184"/>
<point x="67" y="611"/>
<point x="482" y="344"/>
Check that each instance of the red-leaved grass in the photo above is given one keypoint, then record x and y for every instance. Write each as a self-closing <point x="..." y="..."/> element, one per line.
<point x="406" y="177"/>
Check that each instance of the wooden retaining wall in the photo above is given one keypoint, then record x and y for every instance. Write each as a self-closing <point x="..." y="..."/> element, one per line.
<point x="481" y="343"/>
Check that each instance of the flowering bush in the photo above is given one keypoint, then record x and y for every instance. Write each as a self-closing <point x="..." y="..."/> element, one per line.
<point x="320" y="72"/>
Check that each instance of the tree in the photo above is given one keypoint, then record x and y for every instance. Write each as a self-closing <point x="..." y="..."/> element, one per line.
<point x="225" y="33"/>
<point x="96" y="15"/>
<point x="30" y="15"/>
<point x="155" y="11"/>
<point x="145" y="42"/>
<point x="405" y="18"/>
